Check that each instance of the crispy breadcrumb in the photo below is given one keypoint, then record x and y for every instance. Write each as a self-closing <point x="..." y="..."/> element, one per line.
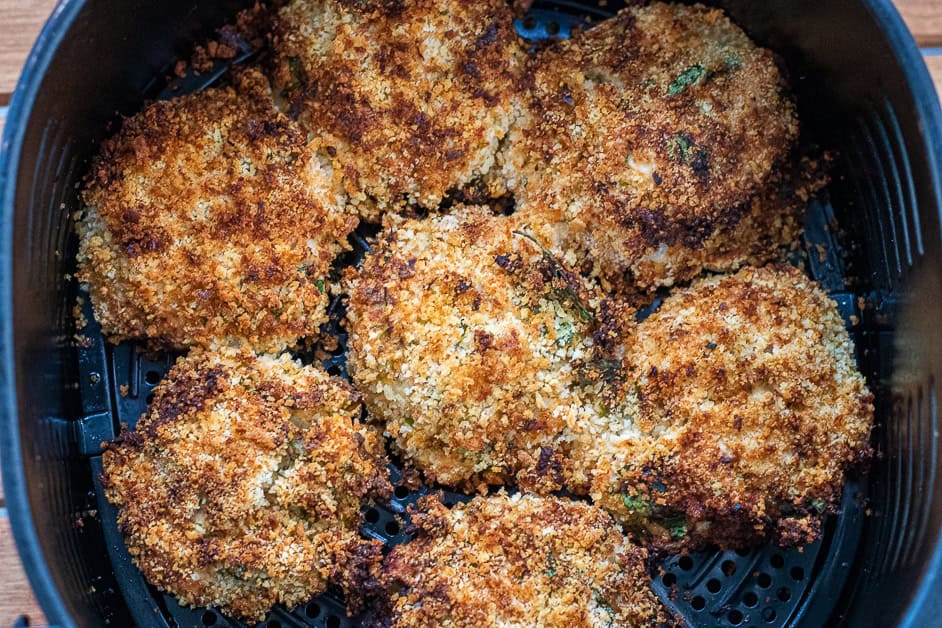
<point x="470" y="342"/>
<point x="241" y="487"/>
<point x="657" y="144"/>
<point x="208" y="218"/>
<point x="518" y="561"/>
<point x="413" y="96"/>
<point x="750" y="411"/>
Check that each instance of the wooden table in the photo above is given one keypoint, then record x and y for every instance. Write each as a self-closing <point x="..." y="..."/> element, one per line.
<point x="20" y="21"/>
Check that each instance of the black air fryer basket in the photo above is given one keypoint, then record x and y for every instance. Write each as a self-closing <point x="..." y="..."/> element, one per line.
<point x="875" y="243"/>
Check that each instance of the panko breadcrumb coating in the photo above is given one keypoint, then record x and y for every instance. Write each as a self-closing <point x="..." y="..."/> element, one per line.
<point x="470" y="343"/>
<point x="412" y="96"/>
<point x="518" y="561"/>
<point x="657" y="144"/>
<point x="242" y="485"/>
<point x="750" y="410"/>
<point x="210" y="217"/>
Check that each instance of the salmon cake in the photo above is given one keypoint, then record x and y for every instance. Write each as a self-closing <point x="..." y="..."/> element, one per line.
<point x="750" y="411"/>
<point x="210" y="218"/>
<point x="412" y="96"/>
<point x="657" y="144"/>
<point x="518" y="561"/>
<point x="470" y="342"/>
<point x="242" y="485"/>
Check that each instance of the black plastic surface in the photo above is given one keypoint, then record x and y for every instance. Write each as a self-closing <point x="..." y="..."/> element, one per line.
<point x="861" y="89"/>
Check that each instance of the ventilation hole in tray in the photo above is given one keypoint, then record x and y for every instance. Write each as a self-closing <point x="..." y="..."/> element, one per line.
<point x="208" y="618"/>
<point x="685" y="563"/>
<point x="274" y="623"/>
<point x="152" y="377"/>
<point x="768" y="614"/>
<point x="729" y="568"/>
<point x="332" y="622"/>
<point x="764" y="580"/>
<point x="401" y="492"/>
<point x="529" y="23"/>
<point x="797" y="574"/>
<point x="734" y="617"/>
<point x="777" y="561"/>
<point x="713" y="585"/>
<point x="698" y="603"/>
<point x="372" y="515"/>
<point x="750" y="599"/>
<point x="392" y="528"/>
<point x="784" y="594"/>
<point x="312" y="610"/>
<point x="552" y="28"/>
<point x="743" y="552"/>
<point x="669" y="579"/>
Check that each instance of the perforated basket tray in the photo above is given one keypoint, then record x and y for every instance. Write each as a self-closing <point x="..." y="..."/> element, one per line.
<point x="765" y="586"/>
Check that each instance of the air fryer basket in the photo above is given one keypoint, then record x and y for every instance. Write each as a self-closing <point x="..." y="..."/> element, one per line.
<point x="874" y="244"/>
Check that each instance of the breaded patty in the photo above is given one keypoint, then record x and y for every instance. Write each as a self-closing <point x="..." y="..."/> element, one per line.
<point x="750" y="411"/>
<point x="210" y="217"/>
<point x="413" y="96"/>
<point x="470" y="343"/>
<point x="241" y="486"/>
<point x="518" y="561"/>
<point x="656" y="145"/>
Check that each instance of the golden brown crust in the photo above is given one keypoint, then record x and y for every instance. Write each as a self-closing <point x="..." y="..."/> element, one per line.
<point x="521" y="560"/>
<point x="242" y="485"/>
<point x="412" y="96"/>
<point x="655" y="144"/>
<point x="750" y="410"/>
<point x="469" y="342"/>
<point x="209" y="217"/>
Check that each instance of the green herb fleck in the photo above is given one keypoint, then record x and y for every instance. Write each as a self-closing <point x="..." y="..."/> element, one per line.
<point x="819" y="504"/>
<point x="731" y="59"/>
<point x="560" y="272"/>
<point x="679" y="148"/>
<point x="408" y="420"/>
<point x="297" y="73"/>
<point x="676" y="525"/>
<point x="551" y="566"/>
<point x="605" y="606"/>
<point x="711" y="346"/>
<point x="637" y="505"/>
<point x="565" y="331"/>
<point x="464" y="332"/>
<point x="690" y="76"/>
<point x="320" y="285"/>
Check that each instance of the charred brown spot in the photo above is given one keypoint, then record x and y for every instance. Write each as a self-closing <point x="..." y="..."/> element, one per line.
<point x="483" y="339"/>
<point x="549" y="464"/>
<point x="189" y="395"/>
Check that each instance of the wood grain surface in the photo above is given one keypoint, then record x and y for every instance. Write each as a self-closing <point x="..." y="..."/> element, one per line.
<point x="20" y="21"/>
